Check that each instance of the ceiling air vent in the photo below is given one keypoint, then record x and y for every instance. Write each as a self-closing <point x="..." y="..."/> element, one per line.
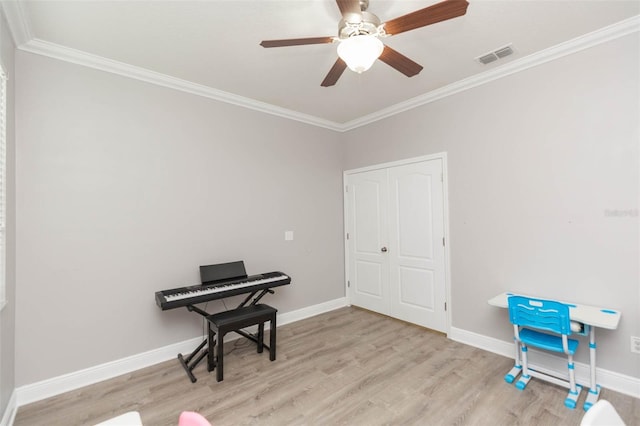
<point x="500" y="53"/>
<point x="505" y="51"/>
<point x="488" y="58"/>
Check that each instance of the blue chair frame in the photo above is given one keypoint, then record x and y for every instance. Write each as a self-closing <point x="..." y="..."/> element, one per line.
<point x="543" y="324"/>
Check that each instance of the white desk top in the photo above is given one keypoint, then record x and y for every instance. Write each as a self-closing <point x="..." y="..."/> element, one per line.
<point x="590" y="315"/>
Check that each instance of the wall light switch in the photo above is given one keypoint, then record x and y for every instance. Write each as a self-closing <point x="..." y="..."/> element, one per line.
<point x="288" y="235"/>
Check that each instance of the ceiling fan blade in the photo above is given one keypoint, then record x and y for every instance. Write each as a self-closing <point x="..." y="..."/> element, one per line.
<point x="334" y="73"/>
<point x="348" y="7"/>
<point x="296" y="41"/>
<point x="429" y="15"/>
<point x="400" y="62"/>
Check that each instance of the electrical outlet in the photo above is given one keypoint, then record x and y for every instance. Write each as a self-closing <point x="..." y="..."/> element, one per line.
<point x="635" y="344"/>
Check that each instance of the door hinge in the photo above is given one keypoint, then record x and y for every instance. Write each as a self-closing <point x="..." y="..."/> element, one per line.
<point x="442" y="241"/>
<point x="346" y="188"/>
<point x="348" y="283"/>
<point x="347" y="235"/>
<point x="445" y="306"/>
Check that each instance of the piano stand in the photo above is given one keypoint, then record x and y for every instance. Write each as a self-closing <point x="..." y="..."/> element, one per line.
<point x="207" y="345"/>
<point x="189" y="367"/>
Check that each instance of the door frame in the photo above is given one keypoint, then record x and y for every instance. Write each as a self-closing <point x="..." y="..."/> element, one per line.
<point x="442" y="156"/>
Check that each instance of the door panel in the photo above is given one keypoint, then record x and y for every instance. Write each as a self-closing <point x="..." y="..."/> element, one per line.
<point x="367" y="193"/>
<point x="367" y="224"/>
<point x="416" y="287"/>
<point x="414" y="218"/>
<point x="416" y="232"/>
<point x="368" y="278"/>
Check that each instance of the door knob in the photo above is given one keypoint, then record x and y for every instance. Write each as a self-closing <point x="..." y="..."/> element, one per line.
<point x="383" y="249"/>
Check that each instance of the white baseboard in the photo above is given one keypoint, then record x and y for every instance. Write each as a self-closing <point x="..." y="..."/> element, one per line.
<point x="311" y="311"/>
<point x="544" y="361"/>
<point x="88" y="376"/>
<point x="10" y="411"/>
<point x="65" y="383"/>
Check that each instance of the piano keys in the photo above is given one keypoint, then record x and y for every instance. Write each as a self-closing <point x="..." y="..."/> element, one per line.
<point x="184" y="296"/>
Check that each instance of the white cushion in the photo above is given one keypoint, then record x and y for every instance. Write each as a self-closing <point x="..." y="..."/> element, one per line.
<point x="602" y="413"/>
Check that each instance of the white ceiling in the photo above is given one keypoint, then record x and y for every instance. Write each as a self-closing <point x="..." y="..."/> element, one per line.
<point x="215" y="44"/>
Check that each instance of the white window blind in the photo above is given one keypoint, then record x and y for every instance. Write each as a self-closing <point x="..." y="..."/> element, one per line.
<point x="3" y="184"/>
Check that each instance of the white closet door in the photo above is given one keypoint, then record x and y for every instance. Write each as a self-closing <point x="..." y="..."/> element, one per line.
<point x="416" y="249"/>
<point x="367" y="229"/>
<point x="395" y="248"/>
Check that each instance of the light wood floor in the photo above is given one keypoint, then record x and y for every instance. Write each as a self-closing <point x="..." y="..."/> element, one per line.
<point x="349" y="366"/>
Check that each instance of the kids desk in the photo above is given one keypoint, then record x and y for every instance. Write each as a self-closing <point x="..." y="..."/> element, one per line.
<point x="584" y="319"/>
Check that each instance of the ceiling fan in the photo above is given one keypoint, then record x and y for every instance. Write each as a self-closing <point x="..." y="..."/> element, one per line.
<point x="359" y="34"/>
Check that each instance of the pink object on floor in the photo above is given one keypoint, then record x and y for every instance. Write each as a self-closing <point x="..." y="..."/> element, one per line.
<point x="191" y="418"/>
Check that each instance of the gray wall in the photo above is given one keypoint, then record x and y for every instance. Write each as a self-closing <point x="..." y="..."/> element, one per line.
<point x="125" y="188"/>
<point x="7" y="315"/>
<point x="539" y="163"/>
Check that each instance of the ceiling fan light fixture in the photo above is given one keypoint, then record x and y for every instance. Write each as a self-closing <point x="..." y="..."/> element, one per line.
<point x="360" y="51"/>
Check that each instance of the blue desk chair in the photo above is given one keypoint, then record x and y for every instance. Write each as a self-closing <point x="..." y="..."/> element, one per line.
<point x="533" y="320"/>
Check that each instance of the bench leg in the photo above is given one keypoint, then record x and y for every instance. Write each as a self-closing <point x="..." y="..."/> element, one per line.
<point x="272" y="339"/>
<point x="220" y="353"/>
<point x="260" y="337"/>
<point x="211" y="363"/>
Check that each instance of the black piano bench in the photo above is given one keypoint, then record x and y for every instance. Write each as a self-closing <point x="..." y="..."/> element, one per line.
<point x="235" y="320"/>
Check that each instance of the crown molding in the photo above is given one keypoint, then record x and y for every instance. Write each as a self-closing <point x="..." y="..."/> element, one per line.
<point x="20" y="30"/>
<point x="56" y="51"/>
<point x="577" y="44"/>
<point x="18" y="21"/>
